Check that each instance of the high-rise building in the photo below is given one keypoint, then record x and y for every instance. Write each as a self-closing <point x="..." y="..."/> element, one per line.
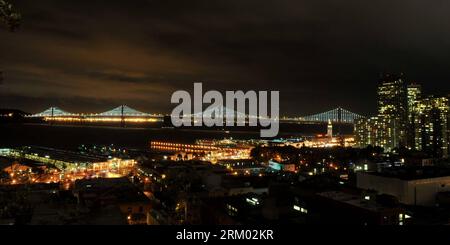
<point x="431" y="130"/>
<point x="414" y="92"/>
<point x="393" y="111"/>
<point x="368" y="131"/>
<point x="406" y="118"/>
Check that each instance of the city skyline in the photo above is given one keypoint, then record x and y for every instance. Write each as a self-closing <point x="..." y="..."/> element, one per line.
<point x="296" y="115"/>
<point x="237" y="117"/>
<point x="407" y="118"/>
<point x="62" y="56"/>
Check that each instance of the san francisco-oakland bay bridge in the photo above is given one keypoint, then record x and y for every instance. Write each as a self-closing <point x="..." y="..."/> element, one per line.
<point x="125" y="113"/>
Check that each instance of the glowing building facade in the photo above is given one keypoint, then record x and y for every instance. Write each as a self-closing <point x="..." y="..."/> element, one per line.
<point x="414" y="97"/>
<point x="330" y="129"/>
<point x="205" y="152"/>
<point x="368" y="131"/>
<point x="392" y="111"/>
<point x="431" y="132"/>
<point x="406" y="118"/>
<point x="389" y="128"/>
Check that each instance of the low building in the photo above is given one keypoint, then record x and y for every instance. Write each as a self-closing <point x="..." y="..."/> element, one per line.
<point x="204" y="151"/>
<point x="287" y="167"/>
<point x="242" y="166"/>
<point x="345" y="208"/>
<point x="103" y="192"/>
<point x="224" y="185"/>
<point x="240" y="188"/>
<point x="410" y="186"/>
<point x="67" y="160"/>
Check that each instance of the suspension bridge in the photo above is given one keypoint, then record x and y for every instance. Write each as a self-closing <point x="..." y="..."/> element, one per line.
<point x="337" y="115"/>
<point x="124" y="113"/>
<point x="120" y="114"/>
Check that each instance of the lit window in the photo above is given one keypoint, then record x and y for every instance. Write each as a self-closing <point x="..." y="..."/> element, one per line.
<point x="302" y="210"/>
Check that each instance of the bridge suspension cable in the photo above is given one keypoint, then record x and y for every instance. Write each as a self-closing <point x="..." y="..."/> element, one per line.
<point x="339" y="115"/>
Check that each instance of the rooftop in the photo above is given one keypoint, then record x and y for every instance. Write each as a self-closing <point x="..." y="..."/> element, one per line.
<point x="350" y="199"/>
<point x="63" y="155"/>
<point x="414" y="173"/>
<point x="121" y="188"/>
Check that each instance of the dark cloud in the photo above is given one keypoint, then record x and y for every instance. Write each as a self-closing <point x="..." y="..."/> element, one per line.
<point x="319" y="54"/>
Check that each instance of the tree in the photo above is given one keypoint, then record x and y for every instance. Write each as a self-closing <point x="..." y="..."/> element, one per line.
<point x="9" y="16"/>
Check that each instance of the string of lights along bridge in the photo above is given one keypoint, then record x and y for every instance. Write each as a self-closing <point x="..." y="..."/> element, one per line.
<point x="123" y="112"/>
<point x="338" y="115"/>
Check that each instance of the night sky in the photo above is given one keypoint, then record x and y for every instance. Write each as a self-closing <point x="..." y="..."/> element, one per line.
<point x="91" y="56"/>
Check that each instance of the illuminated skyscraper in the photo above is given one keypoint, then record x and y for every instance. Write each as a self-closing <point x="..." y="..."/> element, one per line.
<point x="432" y="125"/>
<point x="405" y="118"/>
<point x="391" y="127"/>
<point x="414" y="92"/>
<point x="393" y="111"/>
<point x="368" y="131"/>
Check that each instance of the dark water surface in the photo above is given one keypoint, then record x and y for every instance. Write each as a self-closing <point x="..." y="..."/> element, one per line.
<point x="69" y="137"/>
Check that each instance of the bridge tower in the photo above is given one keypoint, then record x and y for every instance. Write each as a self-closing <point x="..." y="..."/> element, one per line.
<point x="52" y="116"/>
<point x="122" y="116"/>
<point x="339" y="120"/>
